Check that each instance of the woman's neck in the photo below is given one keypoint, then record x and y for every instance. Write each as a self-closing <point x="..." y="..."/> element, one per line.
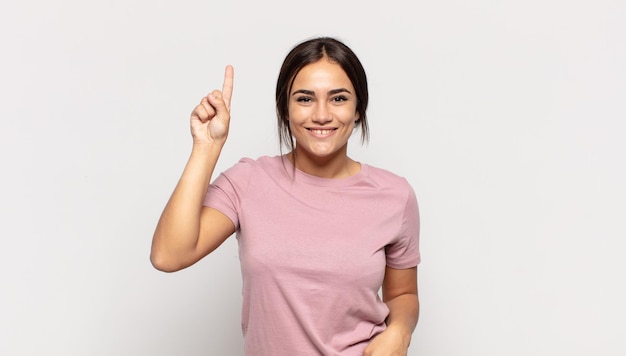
<point x="336" y="166"/>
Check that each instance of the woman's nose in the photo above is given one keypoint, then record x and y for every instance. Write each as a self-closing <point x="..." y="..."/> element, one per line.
<point x="322" y="114"/>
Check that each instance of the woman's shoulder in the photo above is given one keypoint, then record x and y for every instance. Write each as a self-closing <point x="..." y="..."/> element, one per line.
<point x="391" y="185"/>
<point x="248" y="165"/>
<point x="260" y="161"/>
<point x="384" y="176"/>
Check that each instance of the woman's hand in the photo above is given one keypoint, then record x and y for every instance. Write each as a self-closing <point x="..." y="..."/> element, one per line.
<point x="211" y="118"/>
<point x="390" y="342"/>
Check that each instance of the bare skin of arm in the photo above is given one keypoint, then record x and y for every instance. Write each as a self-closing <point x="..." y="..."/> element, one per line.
<point x="187" y="231"/>
<point x="400" y="295"/>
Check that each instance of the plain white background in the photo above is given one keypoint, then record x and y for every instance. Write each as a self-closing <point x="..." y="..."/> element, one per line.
<point x="507" y="117"/>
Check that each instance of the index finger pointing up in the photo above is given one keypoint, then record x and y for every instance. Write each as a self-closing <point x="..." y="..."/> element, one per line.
<point x="227" y="87"/>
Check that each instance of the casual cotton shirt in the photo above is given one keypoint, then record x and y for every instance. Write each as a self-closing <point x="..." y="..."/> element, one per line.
<point x="313" y="253"/>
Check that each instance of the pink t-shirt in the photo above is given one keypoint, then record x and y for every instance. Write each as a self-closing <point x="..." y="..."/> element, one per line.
<point x="313" y="253"/>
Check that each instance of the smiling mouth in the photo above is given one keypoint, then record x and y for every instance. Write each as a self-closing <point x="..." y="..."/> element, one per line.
<point x="322" y="132"/>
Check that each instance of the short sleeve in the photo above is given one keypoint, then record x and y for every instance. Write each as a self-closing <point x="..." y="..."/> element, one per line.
<point x="226" y="192"/>
<point x="404" y="252"/>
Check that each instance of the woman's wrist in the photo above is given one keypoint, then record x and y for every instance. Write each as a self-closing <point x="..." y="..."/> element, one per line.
<point x="401" y="332"/>
<point x="208" y="147"/>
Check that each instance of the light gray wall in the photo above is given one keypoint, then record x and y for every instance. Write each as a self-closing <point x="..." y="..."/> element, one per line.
<point x="507" y="117"/>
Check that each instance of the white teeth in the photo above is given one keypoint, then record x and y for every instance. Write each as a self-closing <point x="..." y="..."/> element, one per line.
<point x="321" y="132"/>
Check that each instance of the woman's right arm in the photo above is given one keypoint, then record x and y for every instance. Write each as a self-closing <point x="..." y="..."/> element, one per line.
<point x="188" y="231"/>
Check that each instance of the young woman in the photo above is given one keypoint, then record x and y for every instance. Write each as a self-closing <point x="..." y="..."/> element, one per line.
<point x="319" y="233"/>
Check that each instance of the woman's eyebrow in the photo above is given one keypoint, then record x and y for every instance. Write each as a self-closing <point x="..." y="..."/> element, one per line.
<point x="303" y="91"/>
<point x="340" y="90"/>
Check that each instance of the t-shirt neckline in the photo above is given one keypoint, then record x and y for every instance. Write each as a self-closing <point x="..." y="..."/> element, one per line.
<point x="304" y="177"/>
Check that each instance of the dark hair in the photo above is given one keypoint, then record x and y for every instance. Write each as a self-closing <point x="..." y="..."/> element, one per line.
<point x="311" y="51"/>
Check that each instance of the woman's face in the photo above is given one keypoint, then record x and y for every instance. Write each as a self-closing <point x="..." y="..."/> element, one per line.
<point x="322" y="109"/>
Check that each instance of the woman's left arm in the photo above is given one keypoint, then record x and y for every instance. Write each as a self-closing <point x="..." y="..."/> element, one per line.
<point x="400" y="295"/>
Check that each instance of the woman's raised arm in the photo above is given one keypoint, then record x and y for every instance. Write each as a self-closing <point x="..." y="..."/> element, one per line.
<point x="187" y="231"/>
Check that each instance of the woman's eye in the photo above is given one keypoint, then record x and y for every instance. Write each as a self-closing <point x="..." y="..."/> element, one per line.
<point x="340" y="98"/>
<point x="304" y="99"/>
